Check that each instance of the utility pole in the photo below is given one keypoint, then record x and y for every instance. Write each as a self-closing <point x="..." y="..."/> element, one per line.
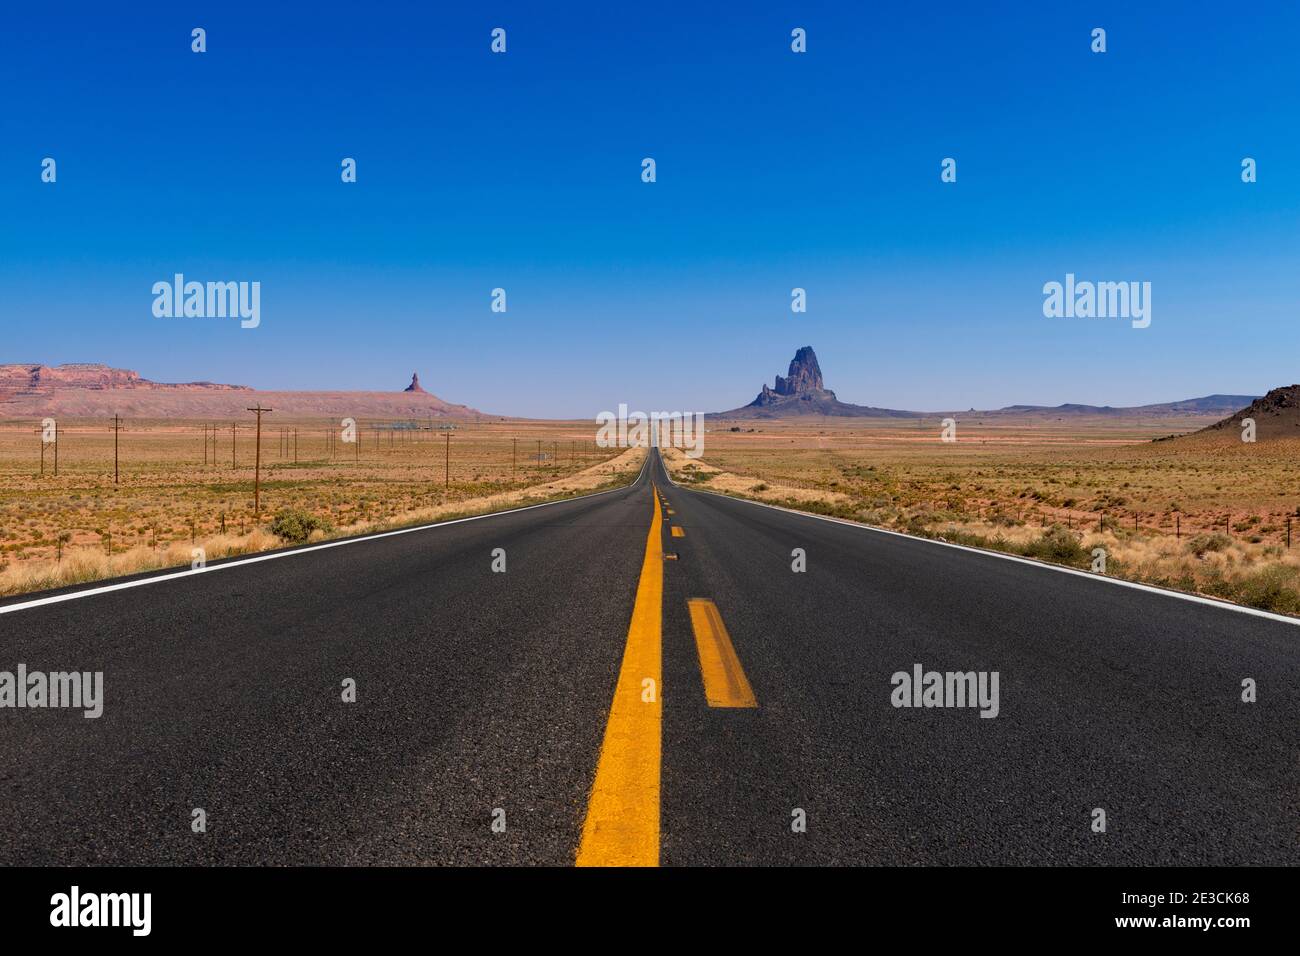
<point x="232" y="444"/>
<point x="205" y="444"/>
<point x="514" y="452"/>
<point x="446" y="478"/>
<point x="295" y="446"/>
<point x="257" y="468"/>
<point x="56" y="449"/>
<point x="117" y="424"/>
<point x="539" y="453"/>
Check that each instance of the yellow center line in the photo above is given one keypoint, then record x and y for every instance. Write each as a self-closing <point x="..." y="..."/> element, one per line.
<point x="725" y="684"/>
<point x="679" y="531"/>
<point x="622" y="824"/>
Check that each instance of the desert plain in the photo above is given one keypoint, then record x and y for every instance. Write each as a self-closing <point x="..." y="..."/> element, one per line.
<point x="1202" y="513"/>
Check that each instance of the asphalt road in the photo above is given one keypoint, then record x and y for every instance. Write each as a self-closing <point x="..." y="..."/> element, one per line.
<point x="478" y="691"/>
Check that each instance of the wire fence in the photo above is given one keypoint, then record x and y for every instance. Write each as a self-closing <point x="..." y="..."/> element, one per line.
<point x="124" y="483"/>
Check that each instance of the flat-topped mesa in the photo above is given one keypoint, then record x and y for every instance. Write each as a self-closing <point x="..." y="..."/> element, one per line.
<point x="38" y="379"/>
<point x="87" y="390"/>
<point x="72" y="375"/>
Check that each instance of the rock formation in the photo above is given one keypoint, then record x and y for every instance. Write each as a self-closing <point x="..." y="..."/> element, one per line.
<point x="802" y="392"/>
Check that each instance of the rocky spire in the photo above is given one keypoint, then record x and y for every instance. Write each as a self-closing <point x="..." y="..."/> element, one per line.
<point x="804" y="375"/>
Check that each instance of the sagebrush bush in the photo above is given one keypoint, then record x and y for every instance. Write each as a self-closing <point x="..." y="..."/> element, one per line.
<point x="1202" y="543"/>
<point x="1269" y="589"/>
<point x="297" y="526"/>
<point x="1057" y="544"/>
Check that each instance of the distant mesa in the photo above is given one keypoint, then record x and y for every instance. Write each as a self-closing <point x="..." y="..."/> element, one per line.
<point x="1206" y="405"/>
<point x="87" y="390"/>
<point x="35" y="379"/>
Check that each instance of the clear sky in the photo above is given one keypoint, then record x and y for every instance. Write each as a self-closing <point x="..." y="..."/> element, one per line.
<point x="775" y="170"/>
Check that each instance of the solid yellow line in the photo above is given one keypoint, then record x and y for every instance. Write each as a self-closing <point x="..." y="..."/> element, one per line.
<point x="679" y="531"/>
<point x="725" y="684"/>
<point x="622" y="825"/>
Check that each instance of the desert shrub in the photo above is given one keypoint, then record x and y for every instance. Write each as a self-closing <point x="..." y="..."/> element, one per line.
<point x="1057" y="544"/>
<point x="1269" y="589"/>
<point x="1202" y="543"/>
<point x="970" y="539"/>
<point x="297" y="526"/>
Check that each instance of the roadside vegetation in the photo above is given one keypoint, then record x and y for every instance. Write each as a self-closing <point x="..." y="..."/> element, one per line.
<point x="1206" y="519"/>
<point x="80" y="527"/>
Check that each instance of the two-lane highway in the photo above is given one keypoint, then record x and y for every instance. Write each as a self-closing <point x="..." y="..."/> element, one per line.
<point x="652" y="678"/>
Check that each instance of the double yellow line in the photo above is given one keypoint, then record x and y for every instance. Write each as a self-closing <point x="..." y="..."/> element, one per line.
<point x="622" y="824"/>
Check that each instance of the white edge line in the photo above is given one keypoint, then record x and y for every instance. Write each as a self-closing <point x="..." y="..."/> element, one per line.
<point x="1136" y="585"/>
<point x="239" y="562"/>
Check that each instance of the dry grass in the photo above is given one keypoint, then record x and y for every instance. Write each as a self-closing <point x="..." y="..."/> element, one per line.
<point x="703" y="474"/>
<point x="81" y="527"/>
<point x="81" y="565"/>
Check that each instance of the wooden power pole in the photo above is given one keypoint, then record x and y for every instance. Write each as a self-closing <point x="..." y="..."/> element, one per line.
<point x="257" y="467"/>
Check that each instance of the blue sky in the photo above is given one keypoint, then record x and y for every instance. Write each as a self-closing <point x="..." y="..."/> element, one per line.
<point x="775" y="170"/>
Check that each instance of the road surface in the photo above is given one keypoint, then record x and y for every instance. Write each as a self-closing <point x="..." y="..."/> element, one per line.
<point x="505" y="717"/>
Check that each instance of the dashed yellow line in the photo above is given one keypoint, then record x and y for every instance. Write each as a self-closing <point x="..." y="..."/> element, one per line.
<point x="725" y="684"/>
<point x="622" y="824"/>
<point x="679" y="531"/>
